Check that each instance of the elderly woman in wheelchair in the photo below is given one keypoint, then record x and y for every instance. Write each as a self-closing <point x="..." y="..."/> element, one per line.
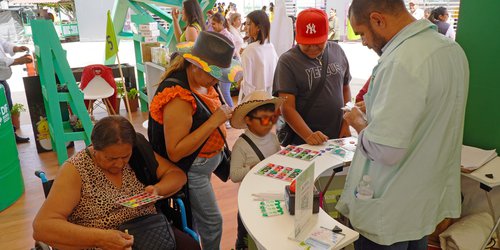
<point x="81" y="210"/>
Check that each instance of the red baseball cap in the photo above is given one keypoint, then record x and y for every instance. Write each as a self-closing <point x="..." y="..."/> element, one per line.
<point x="311" y="26"/>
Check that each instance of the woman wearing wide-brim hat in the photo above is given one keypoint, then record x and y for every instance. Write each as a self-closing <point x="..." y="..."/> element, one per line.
<point x="181" y="130"/>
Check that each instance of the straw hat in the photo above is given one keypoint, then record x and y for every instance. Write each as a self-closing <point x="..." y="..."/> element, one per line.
<point x="249" y="103"/>
<point x="213" y="53"/>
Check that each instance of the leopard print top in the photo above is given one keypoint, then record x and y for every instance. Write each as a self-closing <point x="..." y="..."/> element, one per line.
<point x="98" y="207"/>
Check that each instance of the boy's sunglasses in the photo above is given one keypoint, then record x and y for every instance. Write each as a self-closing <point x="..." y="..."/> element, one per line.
<point x="265" y="120"/>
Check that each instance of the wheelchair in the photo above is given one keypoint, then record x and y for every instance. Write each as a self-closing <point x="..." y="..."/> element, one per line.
<point x="175" y="204"/>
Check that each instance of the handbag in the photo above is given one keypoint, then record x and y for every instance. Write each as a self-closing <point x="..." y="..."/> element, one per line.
<point x="285" y="133"/>
<point x="222" y="171"/>
<point x="224" y="167"/>
<point x="150" y="231"/>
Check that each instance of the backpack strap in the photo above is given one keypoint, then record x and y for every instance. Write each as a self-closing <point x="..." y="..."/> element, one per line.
<point x="254" y="147"/>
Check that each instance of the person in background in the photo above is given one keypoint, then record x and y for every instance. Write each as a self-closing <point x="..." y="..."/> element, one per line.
<point x="415" y="11"/>
<point x="193" y="17"/>
<point x="413" y="162"/>
<point x="439" y="16"/>
<point x="219" y="8"/>
<point x="219" y="25"/>
<point x="427" y="13"/>
<point x="360" y="96"/>
<point x="208" y="22"/>
<point x="234" y="28"/>
<point x="6" y="72"/>
<point x="181" y="130"/>
<point x="271" y="12"/>
<point x="333" y="22"/>
<point x="259" y="58"/>
<point x="257" y="115"/>
<point x="300" y="68"/>
<point x="231" y="10"/>
<point x="81" y="210"/>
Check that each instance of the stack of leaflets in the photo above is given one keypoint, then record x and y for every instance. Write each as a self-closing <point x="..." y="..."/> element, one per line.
<point x="321" y="239"/>
<point x="474" y="158"/>
<point x="342" y="148"/>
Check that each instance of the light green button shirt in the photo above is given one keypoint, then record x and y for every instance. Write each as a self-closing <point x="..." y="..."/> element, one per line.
<point x="416" y="101"/>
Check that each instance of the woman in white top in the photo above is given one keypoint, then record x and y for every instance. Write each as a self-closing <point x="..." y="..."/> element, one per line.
<point x="234" y="28"/>
<point x="259" y="58"/>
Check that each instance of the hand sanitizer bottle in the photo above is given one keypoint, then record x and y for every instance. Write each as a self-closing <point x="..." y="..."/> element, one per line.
<point x="364" y="189"/>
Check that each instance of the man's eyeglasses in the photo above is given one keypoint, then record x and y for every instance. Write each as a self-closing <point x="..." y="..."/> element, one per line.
<point x="265" y="120"/>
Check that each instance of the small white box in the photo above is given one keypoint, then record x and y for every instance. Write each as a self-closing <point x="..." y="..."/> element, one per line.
<point x="150" y="39"/>
<point x="148" y="26"/>
<point x="150" y="32"/>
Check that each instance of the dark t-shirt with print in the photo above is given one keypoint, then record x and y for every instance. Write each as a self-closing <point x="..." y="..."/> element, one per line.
<point x="296" y="74"/>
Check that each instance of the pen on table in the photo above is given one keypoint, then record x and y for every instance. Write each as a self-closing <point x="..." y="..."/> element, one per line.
<point x="333" y="230"/>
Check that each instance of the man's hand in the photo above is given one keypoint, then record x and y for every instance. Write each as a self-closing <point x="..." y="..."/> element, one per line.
<point x="361" y="105"/>
<point x="22" y="60"/>
<point x="20" y="49"/>
<point x="356" y="119"/>
<point x="114" y="239"/>
<point x="316" y="138"/>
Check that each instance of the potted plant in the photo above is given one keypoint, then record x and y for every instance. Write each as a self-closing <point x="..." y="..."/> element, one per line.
<point x="133" y="99"/>
<point x="119" y="95"/>
<point x="75" y="123"/>
<point x="15" y="113"/>
<point x="235" y="89"/>
<point x="78" y="126"/>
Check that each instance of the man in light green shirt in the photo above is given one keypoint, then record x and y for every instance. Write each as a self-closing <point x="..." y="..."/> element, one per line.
<point x="409" y="143"/>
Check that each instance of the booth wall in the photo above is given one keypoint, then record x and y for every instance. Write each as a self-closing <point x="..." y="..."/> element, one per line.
<point x="91" y="16"/>
<point x="478" y="35"/>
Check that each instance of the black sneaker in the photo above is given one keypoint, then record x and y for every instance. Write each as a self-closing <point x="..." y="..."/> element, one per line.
<point x="22" y="139"/>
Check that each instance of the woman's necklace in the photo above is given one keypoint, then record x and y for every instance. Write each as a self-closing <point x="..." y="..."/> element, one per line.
<point x="320" y="59"/>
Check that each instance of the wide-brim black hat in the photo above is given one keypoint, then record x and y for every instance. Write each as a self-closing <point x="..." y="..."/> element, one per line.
<point x="213" y="52"/>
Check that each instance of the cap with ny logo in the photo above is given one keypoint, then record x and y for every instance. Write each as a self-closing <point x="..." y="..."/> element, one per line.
<point x="312" y="26"/>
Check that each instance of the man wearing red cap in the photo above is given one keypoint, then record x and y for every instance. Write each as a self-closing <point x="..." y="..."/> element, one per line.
<point x="299" y="72"/>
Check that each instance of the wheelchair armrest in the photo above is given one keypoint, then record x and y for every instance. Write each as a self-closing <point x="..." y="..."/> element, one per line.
<point x="40" y="174"/>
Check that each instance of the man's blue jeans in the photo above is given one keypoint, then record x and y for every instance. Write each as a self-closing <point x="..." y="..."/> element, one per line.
<point x="206" y="213"/>
<point x="365" y="244"/>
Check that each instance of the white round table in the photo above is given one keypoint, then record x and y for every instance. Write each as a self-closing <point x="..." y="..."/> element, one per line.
<point x="273" y="232"/>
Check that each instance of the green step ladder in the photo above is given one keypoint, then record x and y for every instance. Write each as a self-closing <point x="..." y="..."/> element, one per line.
<point x="51" y="61"/>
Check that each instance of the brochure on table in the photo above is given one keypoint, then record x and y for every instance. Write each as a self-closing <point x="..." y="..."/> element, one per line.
<point x="488" y="174"/>
<point x="303" y="204"/>
<point x="474" y="158"/>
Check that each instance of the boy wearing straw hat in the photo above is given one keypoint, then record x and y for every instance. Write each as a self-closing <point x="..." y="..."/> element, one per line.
<point x="257" y="115"/>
